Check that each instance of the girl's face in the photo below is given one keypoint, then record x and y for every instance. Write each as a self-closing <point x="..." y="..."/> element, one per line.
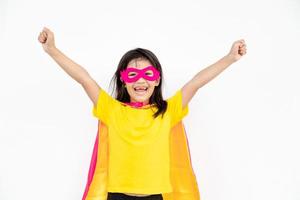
<point x="136" y="89"/>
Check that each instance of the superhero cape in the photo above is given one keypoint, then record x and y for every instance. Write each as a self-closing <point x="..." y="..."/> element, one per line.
<point x="183" y="179"/>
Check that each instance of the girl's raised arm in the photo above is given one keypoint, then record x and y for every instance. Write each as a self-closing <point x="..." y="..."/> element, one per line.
<point x="74" y="70"/>
<point x="238" y="49"/>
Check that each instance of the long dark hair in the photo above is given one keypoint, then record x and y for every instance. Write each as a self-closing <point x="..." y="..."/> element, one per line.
<point x="121" y="92"/>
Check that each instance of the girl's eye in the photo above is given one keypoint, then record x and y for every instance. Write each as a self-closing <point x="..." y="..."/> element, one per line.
<point x="149" y="73"/>
<point x="131" y="74"/>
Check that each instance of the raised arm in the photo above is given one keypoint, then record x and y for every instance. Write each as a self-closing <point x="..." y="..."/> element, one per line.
<point x="238" y="49"/>
<point x="74" y="70"/>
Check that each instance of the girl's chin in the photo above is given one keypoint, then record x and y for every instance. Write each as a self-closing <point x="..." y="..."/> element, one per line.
<point x="140" y="93"/>
<point x="140" y="99"/>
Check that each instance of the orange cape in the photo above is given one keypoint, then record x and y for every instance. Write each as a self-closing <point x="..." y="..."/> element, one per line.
<point x="183" y="179"/>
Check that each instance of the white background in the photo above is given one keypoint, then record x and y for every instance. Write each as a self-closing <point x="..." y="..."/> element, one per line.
<point x="243" y="126"/>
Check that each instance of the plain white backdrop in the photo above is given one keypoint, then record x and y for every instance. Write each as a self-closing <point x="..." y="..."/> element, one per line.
<point x="243" y="126"/>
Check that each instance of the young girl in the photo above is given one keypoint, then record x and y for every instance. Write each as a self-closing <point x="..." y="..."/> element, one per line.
<point x="139" y="120"/>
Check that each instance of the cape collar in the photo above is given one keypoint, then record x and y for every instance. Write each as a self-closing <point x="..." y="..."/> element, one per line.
<point x="138" y="104"/>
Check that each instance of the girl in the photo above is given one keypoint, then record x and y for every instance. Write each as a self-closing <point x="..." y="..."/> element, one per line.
<point x="139" y="120"/>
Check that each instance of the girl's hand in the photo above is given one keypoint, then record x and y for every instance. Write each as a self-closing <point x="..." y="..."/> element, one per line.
<point x="237" y="50"/>
<point x="46" y="38"/>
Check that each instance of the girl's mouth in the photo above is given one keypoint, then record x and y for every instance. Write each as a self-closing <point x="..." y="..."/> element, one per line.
<point x="140" y="90"/>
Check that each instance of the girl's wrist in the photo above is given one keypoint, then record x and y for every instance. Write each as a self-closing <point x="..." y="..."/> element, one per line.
<point x="230" y="58"/>
<point x="51" y="50"/>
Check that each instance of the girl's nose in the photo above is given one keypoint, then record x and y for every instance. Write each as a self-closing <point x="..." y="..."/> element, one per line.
<point x="141" y="79"/>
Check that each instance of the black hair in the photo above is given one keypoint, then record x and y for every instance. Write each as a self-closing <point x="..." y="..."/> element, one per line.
<point x="121" y="92"/>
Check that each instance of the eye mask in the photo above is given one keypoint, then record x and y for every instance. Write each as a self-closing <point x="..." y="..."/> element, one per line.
<point x="131" y="74"/>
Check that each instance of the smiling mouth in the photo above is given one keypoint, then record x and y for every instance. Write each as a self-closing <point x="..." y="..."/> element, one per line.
<point x="141" y="90"/>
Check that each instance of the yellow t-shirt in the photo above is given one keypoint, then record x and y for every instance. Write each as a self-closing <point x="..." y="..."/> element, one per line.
<point x="138" y="144"/>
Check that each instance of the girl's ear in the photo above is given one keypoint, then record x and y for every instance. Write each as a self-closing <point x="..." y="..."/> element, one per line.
<point x="157" y="81"/>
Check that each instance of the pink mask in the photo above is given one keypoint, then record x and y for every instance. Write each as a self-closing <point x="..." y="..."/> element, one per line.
<point x="131" y="74"/>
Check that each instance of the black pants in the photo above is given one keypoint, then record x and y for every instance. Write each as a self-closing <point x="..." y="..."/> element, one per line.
<point x="122" y="196"/>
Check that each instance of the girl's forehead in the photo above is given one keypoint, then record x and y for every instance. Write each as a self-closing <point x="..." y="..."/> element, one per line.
<point x="139" y="63"/>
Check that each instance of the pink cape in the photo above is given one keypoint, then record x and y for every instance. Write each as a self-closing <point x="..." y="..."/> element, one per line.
<point x="183" y="179"/>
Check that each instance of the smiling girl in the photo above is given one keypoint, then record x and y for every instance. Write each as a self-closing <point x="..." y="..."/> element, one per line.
<point x="139" y="119"/>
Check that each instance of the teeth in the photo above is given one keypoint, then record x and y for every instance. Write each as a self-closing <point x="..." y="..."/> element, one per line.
<point x="140" y="88"/>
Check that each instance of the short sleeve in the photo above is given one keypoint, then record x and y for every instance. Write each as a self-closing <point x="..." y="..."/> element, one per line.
<point x="177" y="112"/>
<point x="104" y="107"/>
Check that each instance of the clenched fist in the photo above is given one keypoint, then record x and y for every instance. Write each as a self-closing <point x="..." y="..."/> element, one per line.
<point x="238" y="49"/>
<point x="46" y="38"/>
